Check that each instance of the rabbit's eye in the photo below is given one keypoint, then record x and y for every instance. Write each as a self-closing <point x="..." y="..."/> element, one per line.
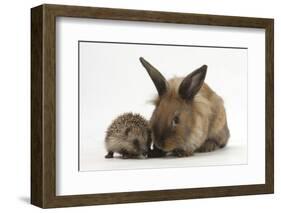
<point x="176" y="120"/>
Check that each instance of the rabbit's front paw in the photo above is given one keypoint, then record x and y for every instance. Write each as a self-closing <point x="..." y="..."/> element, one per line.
<point x="181" y="153"/>
<point x="208" y="146"/>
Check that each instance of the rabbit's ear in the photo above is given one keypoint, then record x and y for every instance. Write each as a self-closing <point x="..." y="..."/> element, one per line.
<point x="192" y="83"/>
<point x="157" y="78"/>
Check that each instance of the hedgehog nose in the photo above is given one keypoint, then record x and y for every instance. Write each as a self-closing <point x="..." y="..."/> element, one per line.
<point x="159" y="144"/>
<point x="145" y="154"/>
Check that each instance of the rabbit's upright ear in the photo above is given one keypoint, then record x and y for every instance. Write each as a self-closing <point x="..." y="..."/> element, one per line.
<point x="192" y="83"/>
<point x="157" y="78"/>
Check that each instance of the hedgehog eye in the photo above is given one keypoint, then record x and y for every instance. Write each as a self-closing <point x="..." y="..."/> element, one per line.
<point x="127" y="130"/>
<point x="176" y="120"/>
<point x="136" y="144"/>
<point x="136" y="141"/>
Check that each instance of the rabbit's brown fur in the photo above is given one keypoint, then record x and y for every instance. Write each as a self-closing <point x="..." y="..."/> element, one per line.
<point x="185" y="122"/>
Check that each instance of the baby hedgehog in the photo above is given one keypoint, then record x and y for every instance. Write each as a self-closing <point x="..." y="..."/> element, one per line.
<point x="128" y="135"/>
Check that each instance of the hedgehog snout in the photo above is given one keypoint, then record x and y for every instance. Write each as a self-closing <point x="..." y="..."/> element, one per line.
<point x="145" y="154"/>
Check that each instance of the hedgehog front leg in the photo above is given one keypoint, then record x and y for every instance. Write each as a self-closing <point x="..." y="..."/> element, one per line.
<point x="124" y="154"/>
<point x="109" y="155"/>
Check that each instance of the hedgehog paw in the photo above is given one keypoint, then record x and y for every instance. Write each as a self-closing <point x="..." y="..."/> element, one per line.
<point x="109" y="155"/>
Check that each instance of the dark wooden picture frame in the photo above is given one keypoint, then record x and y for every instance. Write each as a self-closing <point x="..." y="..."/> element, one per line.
<point x="43" y="105"/>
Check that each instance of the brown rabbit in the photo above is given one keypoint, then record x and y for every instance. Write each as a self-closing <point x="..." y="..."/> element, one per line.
<point x="188" y="116"/>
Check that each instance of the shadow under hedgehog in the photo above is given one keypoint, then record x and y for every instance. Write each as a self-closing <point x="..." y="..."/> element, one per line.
<point x="188" y="116"/>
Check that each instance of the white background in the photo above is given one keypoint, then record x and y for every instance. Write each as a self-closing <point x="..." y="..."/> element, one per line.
<point x="15" y="107"/>
<point x="113" y="81"/>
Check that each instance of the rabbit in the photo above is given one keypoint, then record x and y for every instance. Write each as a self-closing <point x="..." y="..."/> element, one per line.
<point x="188" y="116"/>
